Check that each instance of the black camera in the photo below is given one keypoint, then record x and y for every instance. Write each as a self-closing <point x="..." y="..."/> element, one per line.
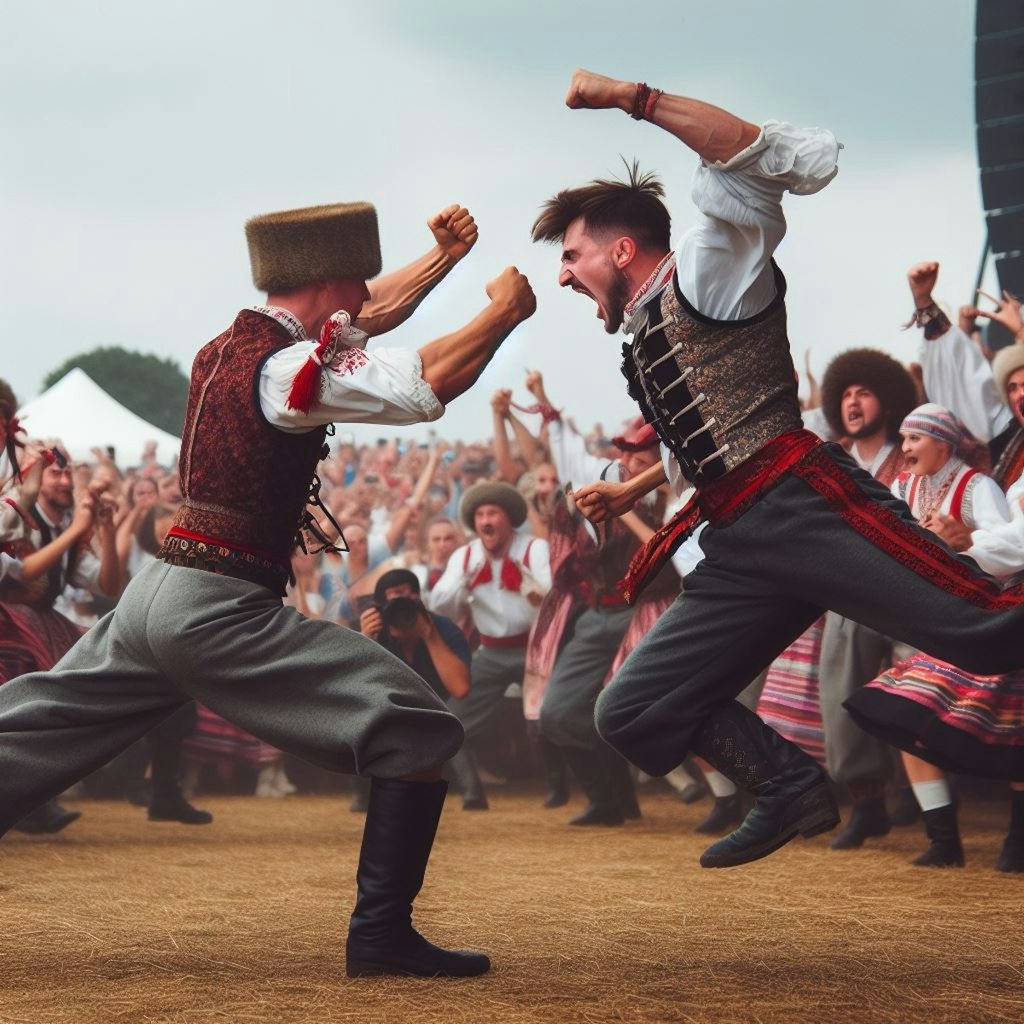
<point x="400" y="612"/>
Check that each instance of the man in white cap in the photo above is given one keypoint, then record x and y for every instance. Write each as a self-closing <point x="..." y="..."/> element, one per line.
<point x="205" y="620"/>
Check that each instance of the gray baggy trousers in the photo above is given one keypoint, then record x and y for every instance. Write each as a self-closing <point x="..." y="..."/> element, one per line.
<point x="764" y="579"/>
<point x="307" y="686"/>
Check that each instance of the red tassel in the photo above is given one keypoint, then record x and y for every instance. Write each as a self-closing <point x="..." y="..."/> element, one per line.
<point x="305" y="390"/>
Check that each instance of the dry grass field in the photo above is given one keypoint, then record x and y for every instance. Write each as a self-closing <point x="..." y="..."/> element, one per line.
<point x="118" y="920"/>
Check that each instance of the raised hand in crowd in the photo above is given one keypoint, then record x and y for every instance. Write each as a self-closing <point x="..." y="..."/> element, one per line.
<point x="1007" y="313"/>
<point x="922" y="278"/>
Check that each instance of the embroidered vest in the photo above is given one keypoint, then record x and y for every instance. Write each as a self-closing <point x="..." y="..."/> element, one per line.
<point x="245" y="483"/>
<point x="716" y="391"/>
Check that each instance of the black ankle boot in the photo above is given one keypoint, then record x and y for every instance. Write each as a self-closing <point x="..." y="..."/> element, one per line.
<point x="945" y="851"/>
<point x="401" y="822"/>
<point x="462" y="768"/>
<point x="590" y="770"/>
<point x="792" y="795"/>
<point x="1011" y="857"/>
<point x="869" y="820"/>
<point x="47" y="819"/>
<point x="172" y="806"/>
<point x="724" y="817"/>
<point x="556" y="772"/>
<point x="907" y="810"/>
<point x="620" y="780"/>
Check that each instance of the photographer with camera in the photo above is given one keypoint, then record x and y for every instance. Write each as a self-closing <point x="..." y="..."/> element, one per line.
<point x="435" y="649"/>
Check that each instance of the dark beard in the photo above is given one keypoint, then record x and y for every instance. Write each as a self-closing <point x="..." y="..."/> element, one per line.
<point x="869" y="427"/>
<point x="618" y="296"/>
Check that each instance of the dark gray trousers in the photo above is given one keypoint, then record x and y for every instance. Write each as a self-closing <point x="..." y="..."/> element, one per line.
<point x="763" y="581"/>
<point x="307" y="686"/>
<point x="492" y="670"/>
<point x="567" y="713"/>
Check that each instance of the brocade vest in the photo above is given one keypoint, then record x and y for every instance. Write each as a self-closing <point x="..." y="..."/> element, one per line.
<point x="716" y="391"/>
<point x="245" y="483"/>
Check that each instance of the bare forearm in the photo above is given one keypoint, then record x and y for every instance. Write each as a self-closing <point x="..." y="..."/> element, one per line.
<point x="507" y="468"/>
<point x="395" y="296"/>
<point x="111" y="579"/>
<point x="645" y="482"/>
<point x="452" y="364"/>
<point x="527" y="443"/>
<point x="453" y="671"/>
<point x="711" y="132"/>
<point x="41" y="561"/>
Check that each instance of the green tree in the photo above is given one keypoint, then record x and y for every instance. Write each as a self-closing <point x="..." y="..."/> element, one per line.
<point x="152" y="388"/>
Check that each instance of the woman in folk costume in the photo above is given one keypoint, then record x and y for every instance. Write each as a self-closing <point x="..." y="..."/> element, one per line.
<point x="952" y="719"/>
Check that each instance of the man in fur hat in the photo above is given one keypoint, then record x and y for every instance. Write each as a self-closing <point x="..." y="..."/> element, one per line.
<point x="499" y="580"/>
<point x="865" y="396"/>
<point x="795" y="525"/>
<point x="205" y="620"/>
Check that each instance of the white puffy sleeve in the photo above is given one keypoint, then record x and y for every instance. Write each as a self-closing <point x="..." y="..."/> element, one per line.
<point x="724" y="260"/>
<point x="382" y="386"/>
<point x="999" y="550"/>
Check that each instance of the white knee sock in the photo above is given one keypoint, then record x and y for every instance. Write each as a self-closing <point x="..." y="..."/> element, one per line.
<point x="719" y="784"/>
<point x="933" y="794"/>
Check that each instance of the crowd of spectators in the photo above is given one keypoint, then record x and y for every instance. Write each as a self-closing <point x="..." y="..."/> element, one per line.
<point x="417" y="537"/>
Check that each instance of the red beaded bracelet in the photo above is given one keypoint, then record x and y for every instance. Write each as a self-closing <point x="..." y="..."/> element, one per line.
<point x="652" y="102"/>
<point x="643" y="94"/>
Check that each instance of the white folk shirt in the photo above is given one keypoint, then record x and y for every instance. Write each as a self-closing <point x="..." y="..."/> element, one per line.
<point x="982" y="504"/>
<point x="386" y="387"/>
<point x="496" y="612"/>
<point x="958" y="377"/>
<point x="1000" y="549"/>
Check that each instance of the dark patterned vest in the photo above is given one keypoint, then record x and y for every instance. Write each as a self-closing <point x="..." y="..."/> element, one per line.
<point x="716" y="391"/>
<point x="245" y="483"/>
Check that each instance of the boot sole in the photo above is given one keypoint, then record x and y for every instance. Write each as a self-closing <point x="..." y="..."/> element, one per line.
<point x="820" y="814"/>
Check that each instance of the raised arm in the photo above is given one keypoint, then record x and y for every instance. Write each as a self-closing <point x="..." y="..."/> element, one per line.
<point x="500" y="409"/>
<point x="395" y="296"/>
<point x="713" y="134"/>
<point x="452" y="364"/>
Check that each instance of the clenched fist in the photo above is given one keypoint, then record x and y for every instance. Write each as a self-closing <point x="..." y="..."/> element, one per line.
<point x="588" y="91"/>
<point x="511" y="290"/>
<point x="454" y="230"/>
<point x="922" y="278"/>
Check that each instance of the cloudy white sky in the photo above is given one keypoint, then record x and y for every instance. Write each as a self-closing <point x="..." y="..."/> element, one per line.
<point x="137" y="139"/>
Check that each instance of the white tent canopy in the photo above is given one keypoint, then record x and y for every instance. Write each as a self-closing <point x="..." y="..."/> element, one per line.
<point x="82" y="415"/>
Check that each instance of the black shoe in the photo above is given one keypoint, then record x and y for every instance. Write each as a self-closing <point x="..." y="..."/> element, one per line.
<point x="1011" y="857"/>
<point x="591" y="770"/>
<point x="463" y="770"/>
<point x="401" y="822"/>
<point x="177" y="808"/>
<point x="724" y="817"/>
<point x="47" y="819"/>
<point x="620" y="781"/>
<point x="907" y="811"/>
<point x="945" y="850"/>
<point x="556" y="771"/>
<point x="692" y="792"/>
<point x="792" y="795"/>
<point x="596" y="814"/>
<point x="869" y="820"/>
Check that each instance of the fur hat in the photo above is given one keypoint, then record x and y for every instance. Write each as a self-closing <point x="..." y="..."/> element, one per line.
<point x="489" y="493"/>
<point x="1007" y="361"/>
<point x="879" y="373"/>
<point x="297" y="247"/>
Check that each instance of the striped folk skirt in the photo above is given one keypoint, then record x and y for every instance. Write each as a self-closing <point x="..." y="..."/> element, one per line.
<point x="958" y="721"/>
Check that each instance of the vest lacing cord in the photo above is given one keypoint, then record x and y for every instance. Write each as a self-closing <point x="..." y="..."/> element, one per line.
<point x="712" y="456"/>
<point x="707" y="426"/>
<point x="311" y="525"/>
<point x="684" y="376"/>
<point x="687" y="408"/>
<point x="673" y="351"/>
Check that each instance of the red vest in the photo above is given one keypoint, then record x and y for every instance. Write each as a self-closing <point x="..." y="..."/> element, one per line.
<point x="244" y="482"/>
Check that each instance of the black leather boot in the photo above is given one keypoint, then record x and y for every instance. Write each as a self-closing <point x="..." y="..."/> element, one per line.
<point x="46" y="819"/>
<point x="556" y="771"/>
<point x="620" y="779"/>
<point x="724" y="817"/>
<point x="792" y="795"/>
<point x="167" y="802"/>
<point x="945" y="851"/>
<point x="589" y="768"/>
<point x="463" y="771"/>
<point x="401" y="822"/>
<point x="869" y="820"/>
<point x="1011" y="857"/>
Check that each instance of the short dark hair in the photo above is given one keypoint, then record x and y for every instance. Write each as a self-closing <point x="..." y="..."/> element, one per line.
<point x="395" y="578"/>
<point x="633" y="207"/>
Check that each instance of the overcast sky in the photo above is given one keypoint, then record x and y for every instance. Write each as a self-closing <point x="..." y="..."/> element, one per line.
<point x="137" y="139"/>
